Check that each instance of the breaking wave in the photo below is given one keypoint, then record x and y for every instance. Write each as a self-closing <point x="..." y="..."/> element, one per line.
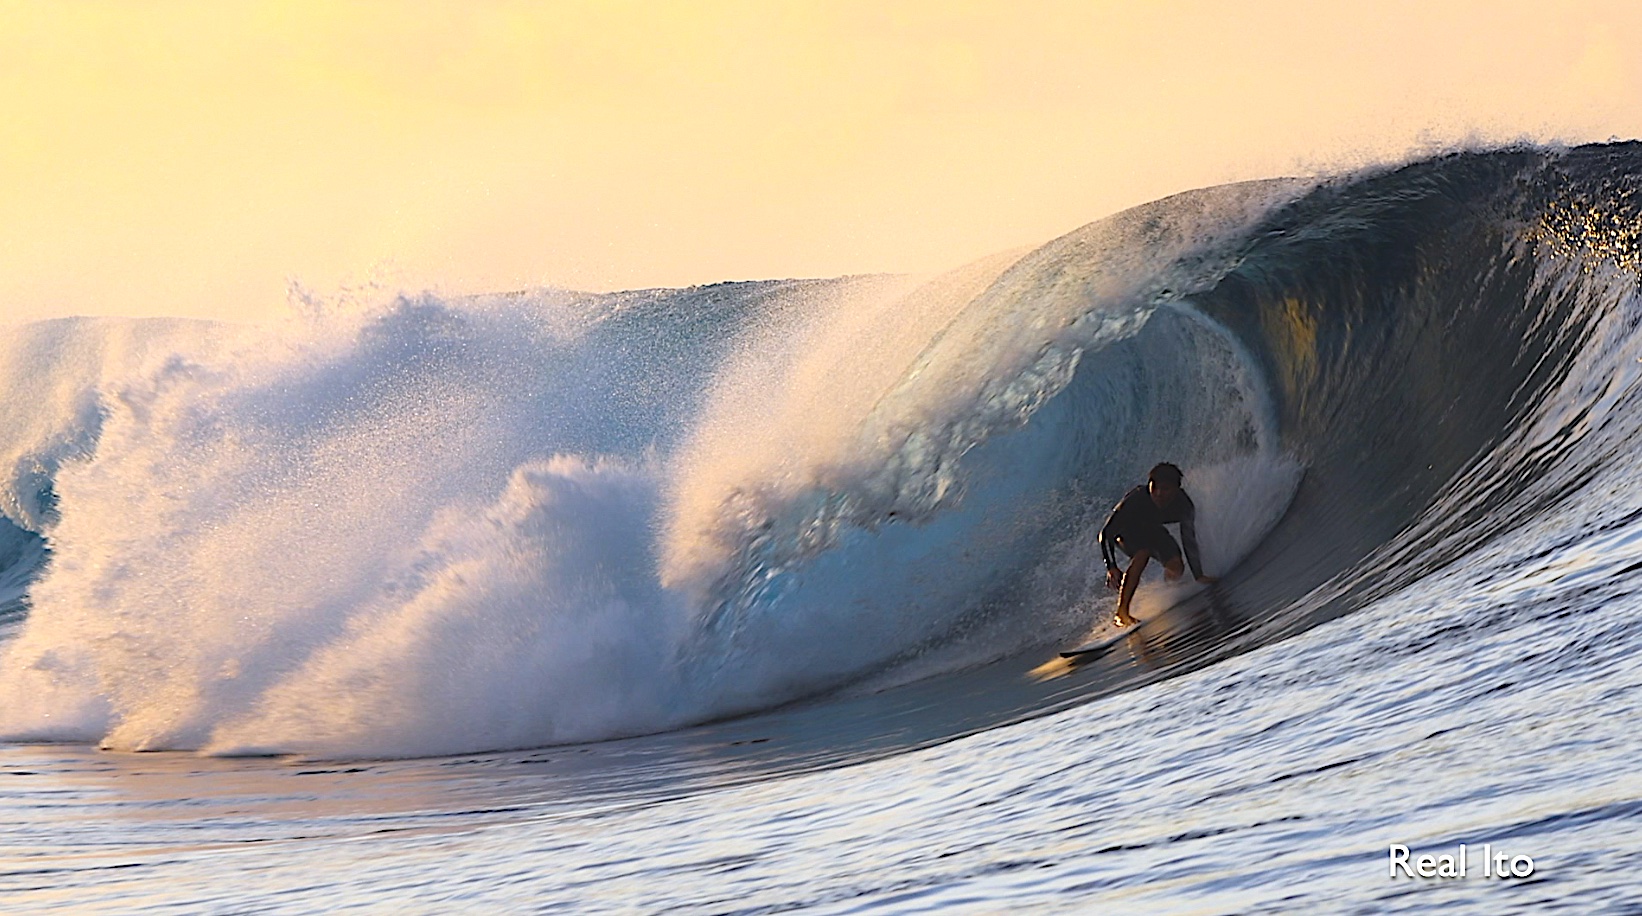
<point x="442" y="525"/>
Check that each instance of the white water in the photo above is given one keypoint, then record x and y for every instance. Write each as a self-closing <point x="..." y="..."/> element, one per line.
<point x="433" y="527"/>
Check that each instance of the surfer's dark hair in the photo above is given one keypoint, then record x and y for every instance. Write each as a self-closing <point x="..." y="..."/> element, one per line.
<point x="1166" y="474"/>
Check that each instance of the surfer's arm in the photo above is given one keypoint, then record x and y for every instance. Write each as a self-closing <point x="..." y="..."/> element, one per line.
<point x="1188" y="543"/>
<point x="1108" y="537"/>
<point x="1114" y="573"/>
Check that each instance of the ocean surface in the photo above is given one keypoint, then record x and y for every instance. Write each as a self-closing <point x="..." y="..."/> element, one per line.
<point x="748" y="598"/>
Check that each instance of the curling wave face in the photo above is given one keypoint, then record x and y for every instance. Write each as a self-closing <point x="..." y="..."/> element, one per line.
<point x="441" y="526"/>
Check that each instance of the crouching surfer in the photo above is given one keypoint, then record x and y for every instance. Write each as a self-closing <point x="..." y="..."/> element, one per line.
<point x="1136" y="528"/>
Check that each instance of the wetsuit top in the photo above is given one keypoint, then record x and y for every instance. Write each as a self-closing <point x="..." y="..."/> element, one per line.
<point x="1136" y="519"/>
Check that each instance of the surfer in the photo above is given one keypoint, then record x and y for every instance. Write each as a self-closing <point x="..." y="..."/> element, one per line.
<point x="1136" y="528"/>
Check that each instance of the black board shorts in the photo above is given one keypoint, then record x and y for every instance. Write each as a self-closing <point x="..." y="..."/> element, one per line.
<point x="1156" y="540"/>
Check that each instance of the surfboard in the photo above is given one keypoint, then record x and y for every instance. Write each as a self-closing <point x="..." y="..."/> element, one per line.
<point x="1103" y="643"/>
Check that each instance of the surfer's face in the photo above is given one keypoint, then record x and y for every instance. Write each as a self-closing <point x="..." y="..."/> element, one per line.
<point x="1161" y="492"/>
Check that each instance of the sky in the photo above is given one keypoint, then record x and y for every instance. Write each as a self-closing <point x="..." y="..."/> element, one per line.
<point x="207" y="158"/>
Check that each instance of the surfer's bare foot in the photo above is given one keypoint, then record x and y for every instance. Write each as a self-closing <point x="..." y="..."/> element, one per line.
<point x="1123" y="620"/>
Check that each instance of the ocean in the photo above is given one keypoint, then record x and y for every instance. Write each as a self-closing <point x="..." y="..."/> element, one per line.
<point x="748" y="597"/>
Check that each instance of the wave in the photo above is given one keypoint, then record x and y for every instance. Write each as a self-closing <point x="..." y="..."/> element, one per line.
<point x="450" y="525"/>
<point x="1453" y="355"/>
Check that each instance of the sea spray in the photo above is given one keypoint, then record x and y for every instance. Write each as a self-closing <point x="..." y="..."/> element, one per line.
<point x="443" y="525"/>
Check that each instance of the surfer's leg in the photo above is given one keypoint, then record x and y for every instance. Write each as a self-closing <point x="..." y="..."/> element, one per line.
<point x="1168" y="553"/>
<point x="1131" y="581"/>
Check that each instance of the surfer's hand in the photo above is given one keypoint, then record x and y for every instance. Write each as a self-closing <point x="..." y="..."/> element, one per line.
<point x="1208" y="580"/>
<point x="1114" y="578"/>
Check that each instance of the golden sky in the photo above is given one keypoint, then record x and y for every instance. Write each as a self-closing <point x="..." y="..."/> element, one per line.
<point x="192" y="158"/>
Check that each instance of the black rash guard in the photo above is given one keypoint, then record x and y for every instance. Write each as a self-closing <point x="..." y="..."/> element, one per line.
<point x="1138" y="522"/>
